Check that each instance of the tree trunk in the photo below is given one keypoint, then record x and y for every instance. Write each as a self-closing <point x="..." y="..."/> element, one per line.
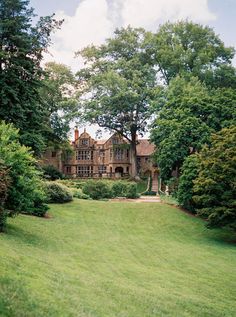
<point x="133" y="152"/>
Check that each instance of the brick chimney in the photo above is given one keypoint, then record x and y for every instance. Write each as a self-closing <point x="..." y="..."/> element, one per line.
<point x="76" y="133"/>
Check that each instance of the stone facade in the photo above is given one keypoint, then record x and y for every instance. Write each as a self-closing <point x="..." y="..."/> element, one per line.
<point x="101" y="158"/>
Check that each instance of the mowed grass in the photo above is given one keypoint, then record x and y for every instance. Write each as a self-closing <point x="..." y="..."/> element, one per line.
<point x="116" y="259"/>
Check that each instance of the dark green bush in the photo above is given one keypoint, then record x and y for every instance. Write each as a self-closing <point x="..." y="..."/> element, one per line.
<point x="149" y="193"/>
<point x="132" y="190"/>
<point x="119" y="188"/>
<point x="97" y="189"/>
<point x="52" y="173"/>
<point x="57" y="193"/>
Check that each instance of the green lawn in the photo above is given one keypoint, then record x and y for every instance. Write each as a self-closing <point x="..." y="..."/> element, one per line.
<point x="115" y="259"/>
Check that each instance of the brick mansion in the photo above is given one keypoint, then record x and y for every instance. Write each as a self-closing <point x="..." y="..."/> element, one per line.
<point x="110" y="158"/>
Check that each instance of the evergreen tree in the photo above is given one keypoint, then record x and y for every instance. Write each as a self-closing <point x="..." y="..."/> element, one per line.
<point x="21" y="51"/>
<point x="215" y="186"/>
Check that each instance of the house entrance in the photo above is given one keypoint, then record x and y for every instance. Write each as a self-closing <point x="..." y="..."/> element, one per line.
<point x="119" y="171"/>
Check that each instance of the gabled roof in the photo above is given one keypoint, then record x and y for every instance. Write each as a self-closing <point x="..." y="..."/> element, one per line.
<point x="145" y="148"/>
<point x="101" y="142"/>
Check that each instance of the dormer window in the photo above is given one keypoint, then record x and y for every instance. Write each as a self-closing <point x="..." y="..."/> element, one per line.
<point x="85" y="142"/>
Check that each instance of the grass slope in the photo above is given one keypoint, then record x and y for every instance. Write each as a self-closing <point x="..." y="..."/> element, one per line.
<point x="98" y="259"/>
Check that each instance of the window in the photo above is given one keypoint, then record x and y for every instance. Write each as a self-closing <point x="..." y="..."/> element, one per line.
<point x="84" y="170"/>
<point x="68" y="169"/>
<point x="85" y="142"/>
<point x="54" y="154"/>
<point x="146" y="159"/>
<point x="119" y="154"/>
<point x="127" y="169"/>
<point x="102" y="169"/>
<point x="102" y="153"/>
<point x="127" y="154"/>
<point x="84" y="155"/>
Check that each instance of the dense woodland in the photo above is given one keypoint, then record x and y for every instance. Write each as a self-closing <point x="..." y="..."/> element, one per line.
<point x="179" y="83"/>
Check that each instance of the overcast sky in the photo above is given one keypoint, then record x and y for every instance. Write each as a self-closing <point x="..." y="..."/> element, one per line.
<point x="92" y="21"/>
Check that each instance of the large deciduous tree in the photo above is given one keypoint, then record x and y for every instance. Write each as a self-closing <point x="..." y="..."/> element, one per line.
<point x="199" y="96"/>
<point x="119" y="85"/>
<point x="188" y="49"/>
<point x="21" y="50"/>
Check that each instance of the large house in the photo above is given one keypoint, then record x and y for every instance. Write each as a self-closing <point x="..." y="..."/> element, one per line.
<point x="110" y="158"/>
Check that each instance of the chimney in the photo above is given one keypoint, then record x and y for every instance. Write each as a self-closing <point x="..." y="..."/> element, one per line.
<point x="76" y="133"/>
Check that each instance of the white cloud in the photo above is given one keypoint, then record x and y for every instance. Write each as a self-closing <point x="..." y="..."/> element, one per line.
<point x="95" y="20"/>
<point x="149" y="13"/>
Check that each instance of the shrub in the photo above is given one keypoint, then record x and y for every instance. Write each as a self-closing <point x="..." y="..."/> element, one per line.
<point x="57" y="193"/>
<point x="119" y="188"/>
<point x="132" y="190"/>
<point x="52" y="173"/>
<point x="25" y="192"/>
<point x="78" y="193"/>
<point x="97" y="189"/>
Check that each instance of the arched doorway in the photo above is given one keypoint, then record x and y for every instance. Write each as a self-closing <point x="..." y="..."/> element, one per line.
<point x="119" y="171"/>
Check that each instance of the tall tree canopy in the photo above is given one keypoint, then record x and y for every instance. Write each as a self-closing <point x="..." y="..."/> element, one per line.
<point x="119" y="85"/>
<point x="199" y="96"/>
<point x="21" y="51"/>
<point x="58" y="95"/>
<point x="189" y="49"/>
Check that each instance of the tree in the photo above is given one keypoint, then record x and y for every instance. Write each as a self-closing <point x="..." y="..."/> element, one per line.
<point x="58" y="95"/>
<point x="4" y="185"/>
<point x="182" y="124"/>
<point x="119" y="84"/>
<point x="215" y="185"/>
<point x="25" y="193"/>
<point x="21" y="52"/>
<point x="189" y="173"/>
<point x="187" y="113"/>
<point x="188" y="49"/>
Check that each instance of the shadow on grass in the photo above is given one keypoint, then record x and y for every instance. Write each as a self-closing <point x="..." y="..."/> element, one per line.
<point x="20" y="234"/>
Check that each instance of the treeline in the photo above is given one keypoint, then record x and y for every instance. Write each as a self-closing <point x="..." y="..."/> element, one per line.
<point x="180" y="78"/>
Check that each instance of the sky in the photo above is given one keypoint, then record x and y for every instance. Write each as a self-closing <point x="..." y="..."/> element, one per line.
<point x="92" y="21"/>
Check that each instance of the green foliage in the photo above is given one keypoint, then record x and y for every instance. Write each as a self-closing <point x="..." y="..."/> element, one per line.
<point x="215" y="185"/>
<point x="131" y="190"/>
<point x="58" y="95"/>
<point x="52" y="173"/>
<point x="97" y="189"/>
<point x="21" y="52"/>
<point x="119" y="188"/>
<point x="25" y="193"/>
<point x="189" y="49"/>
<point x="78" y="193"/>
<point x="57" y="193"/>
<point x="4" y="186"/>
<point x="188" y="114"/>
<point x="183" y="123"/>
<point x="103" y="189"/>
<point x="189" y="172"/>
